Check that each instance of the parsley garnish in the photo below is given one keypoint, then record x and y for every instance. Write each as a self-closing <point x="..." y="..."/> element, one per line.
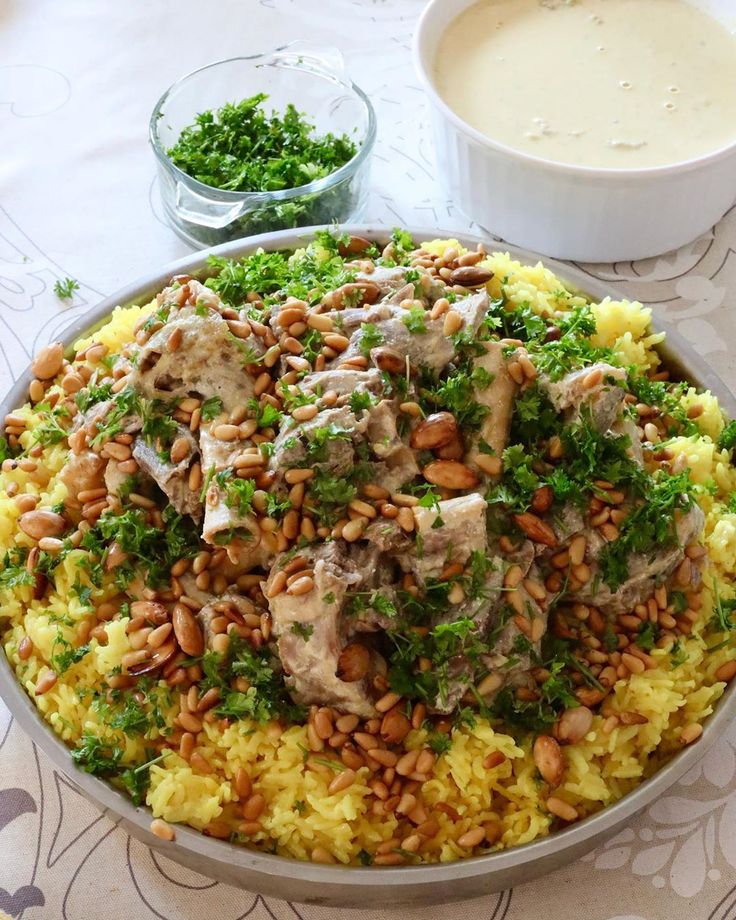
<point x="211" y="408"/>
<point x="440" y="742"/>
<point x="303" y="630"/>
<point x="62" y="660"/>
<point x="91" y="395"/>
<point x="360" y="401"/>
<point x="328" y="495"/>
<point x="93" y="755"/>
<point x="238" y="492"/>
<point x="240" y="148"/>
<point x="266" y="699"/>
<point x="370" y="337"/>
<point x="646" y="637"/>
<point x="456" y="394"/>
<point x="13" y="571"/>
<point x="649" y="526"/>
<point x="65" y="289"/>
<point x="414" y="320"/>
<point x="727" y="438"/>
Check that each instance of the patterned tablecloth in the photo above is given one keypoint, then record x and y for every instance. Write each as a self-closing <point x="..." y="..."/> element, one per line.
<point x="77" y="197"/>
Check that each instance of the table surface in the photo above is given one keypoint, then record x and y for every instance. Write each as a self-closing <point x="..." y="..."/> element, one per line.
<point x="78" y="198"/>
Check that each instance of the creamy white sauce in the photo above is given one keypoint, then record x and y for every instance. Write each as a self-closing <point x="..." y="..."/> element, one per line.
<point x="609" y="83"/>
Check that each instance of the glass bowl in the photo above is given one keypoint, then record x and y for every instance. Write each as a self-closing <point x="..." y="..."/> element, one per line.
<point x="314" y="80"/>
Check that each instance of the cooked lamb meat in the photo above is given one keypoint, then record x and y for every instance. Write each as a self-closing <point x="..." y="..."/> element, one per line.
<point x="223" y="518"/>
<point x="373" y="608"/>
<point x="497" y="623"/>
<point x="387" y="279"/>
<point x="388" y="537"/>
<point x="403" y="293"/>
<point x="171" y="478"/>
<point x="83" y="471"/>
<point x="626" y="426"/>
<point x="428" y="347"/>
<point x="646" y="571"/>
<point x="311" y="633"/>
<point x="343" y="382"/>
<point x="114" y="479"/>
<point x="461" y="533"/>
<point x="336" y="453"/>
<point x="472" y="309"/>
<point x="498" y="397"/>
<point x="329" y="441"/>
<point x="217" y="454"/>
<point x="208" y="362"/>
<point x="93" y="418"/>
<point x="574" y="391"/>
<point x="391" y="279"/>
<point x="399" y="461"/>
<point x="566" y="523"/>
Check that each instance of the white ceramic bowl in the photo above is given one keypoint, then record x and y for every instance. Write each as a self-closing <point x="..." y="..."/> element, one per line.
<point x="567" y="211"/>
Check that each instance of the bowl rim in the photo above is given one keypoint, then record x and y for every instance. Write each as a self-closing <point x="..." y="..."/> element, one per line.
<point x="422" y="67"/>
<point x="347" y="170"/>
<point x="275" y="872"/>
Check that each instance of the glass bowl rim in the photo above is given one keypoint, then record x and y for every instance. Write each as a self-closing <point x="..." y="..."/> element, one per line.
<point x="315" y="186"/>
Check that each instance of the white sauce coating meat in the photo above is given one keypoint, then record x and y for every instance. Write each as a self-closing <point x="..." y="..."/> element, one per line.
<point x="370" y="480"/>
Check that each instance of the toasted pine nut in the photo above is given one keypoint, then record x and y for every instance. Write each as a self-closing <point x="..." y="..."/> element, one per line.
<point x="301" y="586"/>
<point x="726" y="671"/>
<point x="691" y="733"/>
<point x="45" y="682"/>
<point x="342" y="781"/>
<point x="471" y="838"/>
<point x="162" y="830"/>
<point x="561" y="809"/>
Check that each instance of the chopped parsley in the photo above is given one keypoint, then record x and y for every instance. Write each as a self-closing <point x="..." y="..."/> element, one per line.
<point x="723" y="611"/>
<point x="359" y="402"/>
<point x="329" y="496"/>
<point x="439" y="742"/>
<point x="455" y="394"/>
<point x="211" y="408"/>
<point x="132" y="719"/>
<point x="414" y="320"/>
<point x="67" y="655"/>
<point x="647" y="635"/>
<point x="64" y="289"/>
<point x="13" y="571"/>
<point x="303" y="630"/>
<point x="242" y="148"/>
<point x="147" y="547"/>
<point x="306" y="274"/>
<point x="51" y="431"/>
<point x="126" y="404"/>
<point x="159" y="429"/>
<point x="238" y="492"/>
<point x="319" y="440"/>
<point x="556" y="695"/>
<point x="370" y="337"/>
<point x="649" y="526"/>
<point x="267" y="697"/>
<point x="727" y="438"/>
<point x="91" y="395"/>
